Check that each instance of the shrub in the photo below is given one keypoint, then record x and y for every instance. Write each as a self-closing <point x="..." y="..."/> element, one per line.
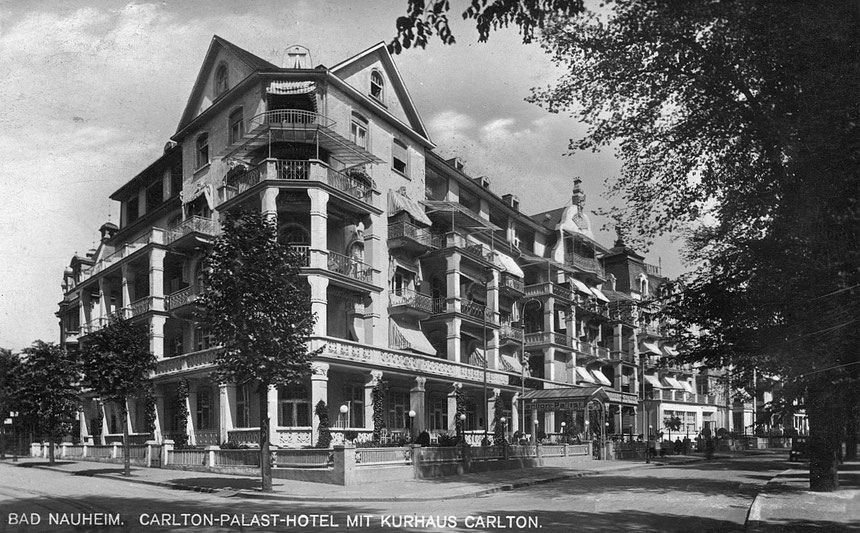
<point x="350" y="435"/>
<point x="324" y="440"/>
<point x="448" y="440"/>
<point x="423" y="439"/>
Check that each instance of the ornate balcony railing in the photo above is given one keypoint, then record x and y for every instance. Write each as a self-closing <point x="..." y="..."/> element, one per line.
<point x="410" y="231"/>
<point x="589" y="264"/>
<point x="121" y="252"/>
<point x="189" y="361"/>
<point x="509" y="281"/>
<point x="476" y="310"/>
<point x="410" y="298"/>
<point x="303" y="253"/>
<point x="440" y="305"/>
<point x="137" y="308"/>
<point x="195" y="224"/>
<point x="179" y="298"/>
<point x="548" y="289"/>
<point x="290" y="116"/>
<point x="550" y="337"/>
<point x="508" y="331"/>
<point x="350" y="267"/>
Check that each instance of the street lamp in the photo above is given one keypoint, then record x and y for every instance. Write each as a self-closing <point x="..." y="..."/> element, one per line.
<point x="535" y="423"/>
<point x="503" y="420"/>
<point x="648" y="445"/>
<point x="564" y="431"/>
<point x="411" y="426"/>
<point x="462" y="418"/>
<point x="343" y="418"/>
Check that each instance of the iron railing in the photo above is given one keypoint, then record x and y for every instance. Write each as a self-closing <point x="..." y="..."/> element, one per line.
<point x="350" y="267"/>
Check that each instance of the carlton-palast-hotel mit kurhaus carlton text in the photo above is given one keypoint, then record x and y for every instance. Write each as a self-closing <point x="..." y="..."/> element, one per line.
<point x="422" y="278"/>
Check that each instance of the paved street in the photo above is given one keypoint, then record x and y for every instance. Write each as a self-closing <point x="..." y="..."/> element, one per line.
<point x="712" y="496"/>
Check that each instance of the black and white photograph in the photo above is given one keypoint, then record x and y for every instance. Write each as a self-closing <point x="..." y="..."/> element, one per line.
<point x="430" y="265"/>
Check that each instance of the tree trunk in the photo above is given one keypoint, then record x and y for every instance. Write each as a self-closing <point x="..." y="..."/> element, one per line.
<point x="126" y="452"/>
<point x="851" y="437"/>
<point x="824" y="446"/>
<point x="51" y="458"/>
<point x="265" y="460"/>
<point x="3" y="440"/>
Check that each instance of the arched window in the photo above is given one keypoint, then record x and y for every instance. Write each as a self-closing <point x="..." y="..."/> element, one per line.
<point x="222" y="81"/>
<point x="377" y="85"/>
<point x="643" y="285"/>
<point x="202" y="152"/>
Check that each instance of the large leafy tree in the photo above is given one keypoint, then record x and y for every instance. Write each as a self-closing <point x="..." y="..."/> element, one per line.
<point x="258" y="309"/>
<point x="9" y="373"/>
<point x="738" y="120"/>
<point x="117" y="365"/>
<point x="48" y="388"/>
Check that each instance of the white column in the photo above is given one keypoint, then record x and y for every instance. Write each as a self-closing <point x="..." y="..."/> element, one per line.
<point x="319" y="228"/>
<point x="191" y="418"/>
<point x="269" y="203"/>
<point x="158" y="434"/>
<point x="493" y="305"/>
<point x="416" y="403"/>
<point x="126" y="282"/>
<point x="273" y="414"/>
<point x="452" y="406"/>
<point x="319" y="391"/>
<point x="227" y="403"/>
<point x="156" y="277"/>
<point x="156" y="335"/>
<point x="319" y="303"/>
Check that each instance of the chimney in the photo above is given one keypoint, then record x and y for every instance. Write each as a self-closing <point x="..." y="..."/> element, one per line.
<point x="511" y="201"/>
<point x="578" y="197"/>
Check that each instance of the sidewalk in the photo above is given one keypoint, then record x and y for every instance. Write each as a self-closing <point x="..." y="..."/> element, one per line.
<point x="786" y="504"/>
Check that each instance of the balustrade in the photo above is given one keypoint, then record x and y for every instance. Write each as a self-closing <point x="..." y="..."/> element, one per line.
<point x="410" y="298"/>
<point x="350" y="267"/>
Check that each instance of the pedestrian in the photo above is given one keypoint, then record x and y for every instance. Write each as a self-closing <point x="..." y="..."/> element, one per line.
<point x="679" y="446"/>
<point x="686" y="445"/>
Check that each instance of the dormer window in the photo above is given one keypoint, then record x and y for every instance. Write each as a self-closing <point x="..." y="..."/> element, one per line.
<point x="377" y="86"/>
<point x="222" y="82"/>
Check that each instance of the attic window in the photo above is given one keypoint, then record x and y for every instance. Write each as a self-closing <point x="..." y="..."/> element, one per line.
<point x="222" y="82"/>
<point x="377" y="86"/>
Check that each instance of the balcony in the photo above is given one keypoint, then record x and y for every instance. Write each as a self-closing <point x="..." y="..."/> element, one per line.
<point x="411" y="237"/>
<point x="509" y="334"/>
<point x="548" y="289"/>
<point x="550" y="338"/>
<point x="593" y="352"/>
<point x="478" y="314"/>
<point x="349" y="267"/>
<point x="350" y="190"/>
<point x="592" y="306"/>
<point x="190" y="361"/>
<point x="137" y="307"/>
<point x="625" y="357"/>
<point x="588" y="264"/>
<point x="653" y="270"/>
<point x="410" y="303"/>
<point x="511" y="284"/>
<point x="470" y="250"/>
<point x="191" y="232"/>
<point x="302" y="252"/>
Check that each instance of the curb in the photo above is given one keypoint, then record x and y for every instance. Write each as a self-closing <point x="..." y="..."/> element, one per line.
<point x="753" y="522"/>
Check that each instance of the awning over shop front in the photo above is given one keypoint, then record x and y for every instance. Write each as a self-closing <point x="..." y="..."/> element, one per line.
<point x="400" y="201"/>
<point x="672" y="383"/>
<point x="585" y="375"/>
<point x="415" y="337"/>
<point x="509" y="265"/>
<point x="653" y="381"/>
<point x="601" y="377"/>
<point x="650" y="347"/>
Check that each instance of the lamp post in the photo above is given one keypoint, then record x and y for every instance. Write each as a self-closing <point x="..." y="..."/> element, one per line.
<point x="411" y="426"/>
<point x="535" y="423"/>
<point x="564" y="431"/>
<point x="648" y="445"/>
<point x="462" y="418"/>
<point x="343" y="418"/>
<point x="503" y="420"/>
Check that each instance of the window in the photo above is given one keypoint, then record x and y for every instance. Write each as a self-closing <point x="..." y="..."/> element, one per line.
<point x="399" y="157"/>
<point x="202" y="150"/>
<point x="293" y="406"/>
<point x="358" y="130"/>
<point x="131" y="209"/>
<point x="398" y="409"/>
<point x="202" y="338"/>
<point x="237" y="126"/>
<point x="222" y="81"/>
<point x="377" y="86"/>
<point x="204" y="408"/>
<point x="354" y="395"/>
<point x="154" y="195"/>
<point x="438" y="413"/>
<point x="243" y="406"/>
<point x="175" y="180"/>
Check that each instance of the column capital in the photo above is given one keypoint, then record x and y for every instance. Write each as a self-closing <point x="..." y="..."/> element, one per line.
<point x="375" y="378"/>
<point x="419" y="384"/>
<point x="319" y="371"/>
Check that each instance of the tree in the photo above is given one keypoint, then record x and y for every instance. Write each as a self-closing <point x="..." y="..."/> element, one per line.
<point x="9" y="374"/>
<point x="672" y="423"/>
<point x="324" y="439"/>
<point x="499" y="437"/>
<point x="117" y="364"/>
<point x="425" y="19"/>
<point x="737" y="121"/>
<point x="258" y="309"/>
<point x="49" y="389"/>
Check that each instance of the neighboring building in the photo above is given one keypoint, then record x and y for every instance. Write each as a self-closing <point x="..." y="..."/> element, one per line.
<point x="424" y="281"/>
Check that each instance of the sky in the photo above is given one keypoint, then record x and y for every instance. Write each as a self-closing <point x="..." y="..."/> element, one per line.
<point x="92" y="91"/>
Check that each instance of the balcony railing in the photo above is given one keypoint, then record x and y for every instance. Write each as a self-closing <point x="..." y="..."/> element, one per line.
<point x="508" y="331"/>
<point x="653" y="270"/>
<point x="290" y="116"/>
<point x="550" y="337"/>
<point x="589" y="264"/>
<point x="137" y="308"/>
<point x="412" y="299"/>
<point x="548" y="289"/>
<point x="297" y="170"/>
<point x="411" y="231"/>
<point x="476" y="310"/>
<point x="121" y="252"/>
<point x="621" y="356"/>
<point x="179" y="298"/>
<point x="509" y="281"/>
<point x="195" y="224"/>
<point x="303" y="254"/>
<point x="350" y="267"/>
<point x="440" y="305"/>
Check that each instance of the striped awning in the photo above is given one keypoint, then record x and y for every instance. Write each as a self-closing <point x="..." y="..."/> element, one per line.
<point x="585" y="375"/>
<point x="650" y="347"/>
<point x="687" y="387"/>
<point x="653" y="381"/>
<point x="511" y="363"/>
<point x="415" y="337"/>
<point x="400" y="201"/>
<point x="672" y="383"/>
<point x="291" y="87"/>
<point x="601" y="377"/>
<point x="581" y="287"/>
<point x="599" y="294"/>
<point x="509" y="264"/>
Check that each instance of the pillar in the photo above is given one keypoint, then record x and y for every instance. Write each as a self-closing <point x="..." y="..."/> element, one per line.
<point x="452" y="281"/>
<point x="319" y="228"/>
<point x="272" y="399"/>
<point x="105" y="422"/>
<point x="452" y="406"/>
<point x="549" y="422"/>
<point x="319" y="391"/>
<point x="104" y="296"/>
<point x="516" y="421"/>
<point x="156" y="335"/>
<point x="374" y="256"/>
<point x="494" y="395"/>
<point x="156" y="276"/>
<point x="549" y="364"/>
<point x="269" y="203"/>
<point x="226" y="403"/>
<point x="493" y="305"/>
<point x="319" y="303"/>
<point x="416" y="403"/>
<point x="453" y="326"/>
<point x="373" y="380"/>
<point x="83" y="425"/>
<point x="126" y="283"/>
<point x="191" y="418"/>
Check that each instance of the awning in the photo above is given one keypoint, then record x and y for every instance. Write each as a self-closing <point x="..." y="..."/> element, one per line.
<point x="601" y="377"/>
<point x="581" y="287"/>
<point x="405" y="265"/>
<point x="687" y="387"/>
<point x="600" y="296"/>
<point x="669" y="350"/>
<point x="653" y="381"/>
<point x="584" y="375"/>
<point x="511" y="363"/>
<point x="509" y="265"/>
<point x="415" y="337"/>
<point x="199" y="189"/>
<point x="400" y="201"/>
<point x="291" y="87"/>
<point x="459" y="215"/>
<point x="477" y="357"/>
<point x="672" y="383"/>
<point x="650" y="347"/>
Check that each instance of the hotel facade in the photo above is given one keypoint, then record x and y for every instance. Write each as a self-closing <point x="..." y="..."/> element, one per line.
<point x="426" y="284"/>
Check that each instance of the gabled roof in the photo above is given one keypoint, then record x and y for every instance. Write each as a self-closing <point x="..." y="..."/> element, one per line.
<point x="254" y="63"/>
<point x="381" y="51"/>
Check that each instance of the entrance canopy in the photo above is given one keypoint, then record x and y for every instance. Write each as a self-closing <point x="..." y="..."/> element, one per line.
<point x="569" y="398"/>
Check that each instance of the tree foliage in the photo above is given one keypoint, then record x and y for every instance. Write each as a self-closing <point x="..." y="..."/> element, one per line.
<point x="324" y="438"/>
<point x="9" y="375"/>
<point x="499" y="427"/>
<point x="738" y="122"/>
<point x="49" y="389"/>
<point x="424" y="19"/>
<point x="117" y="361"/>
